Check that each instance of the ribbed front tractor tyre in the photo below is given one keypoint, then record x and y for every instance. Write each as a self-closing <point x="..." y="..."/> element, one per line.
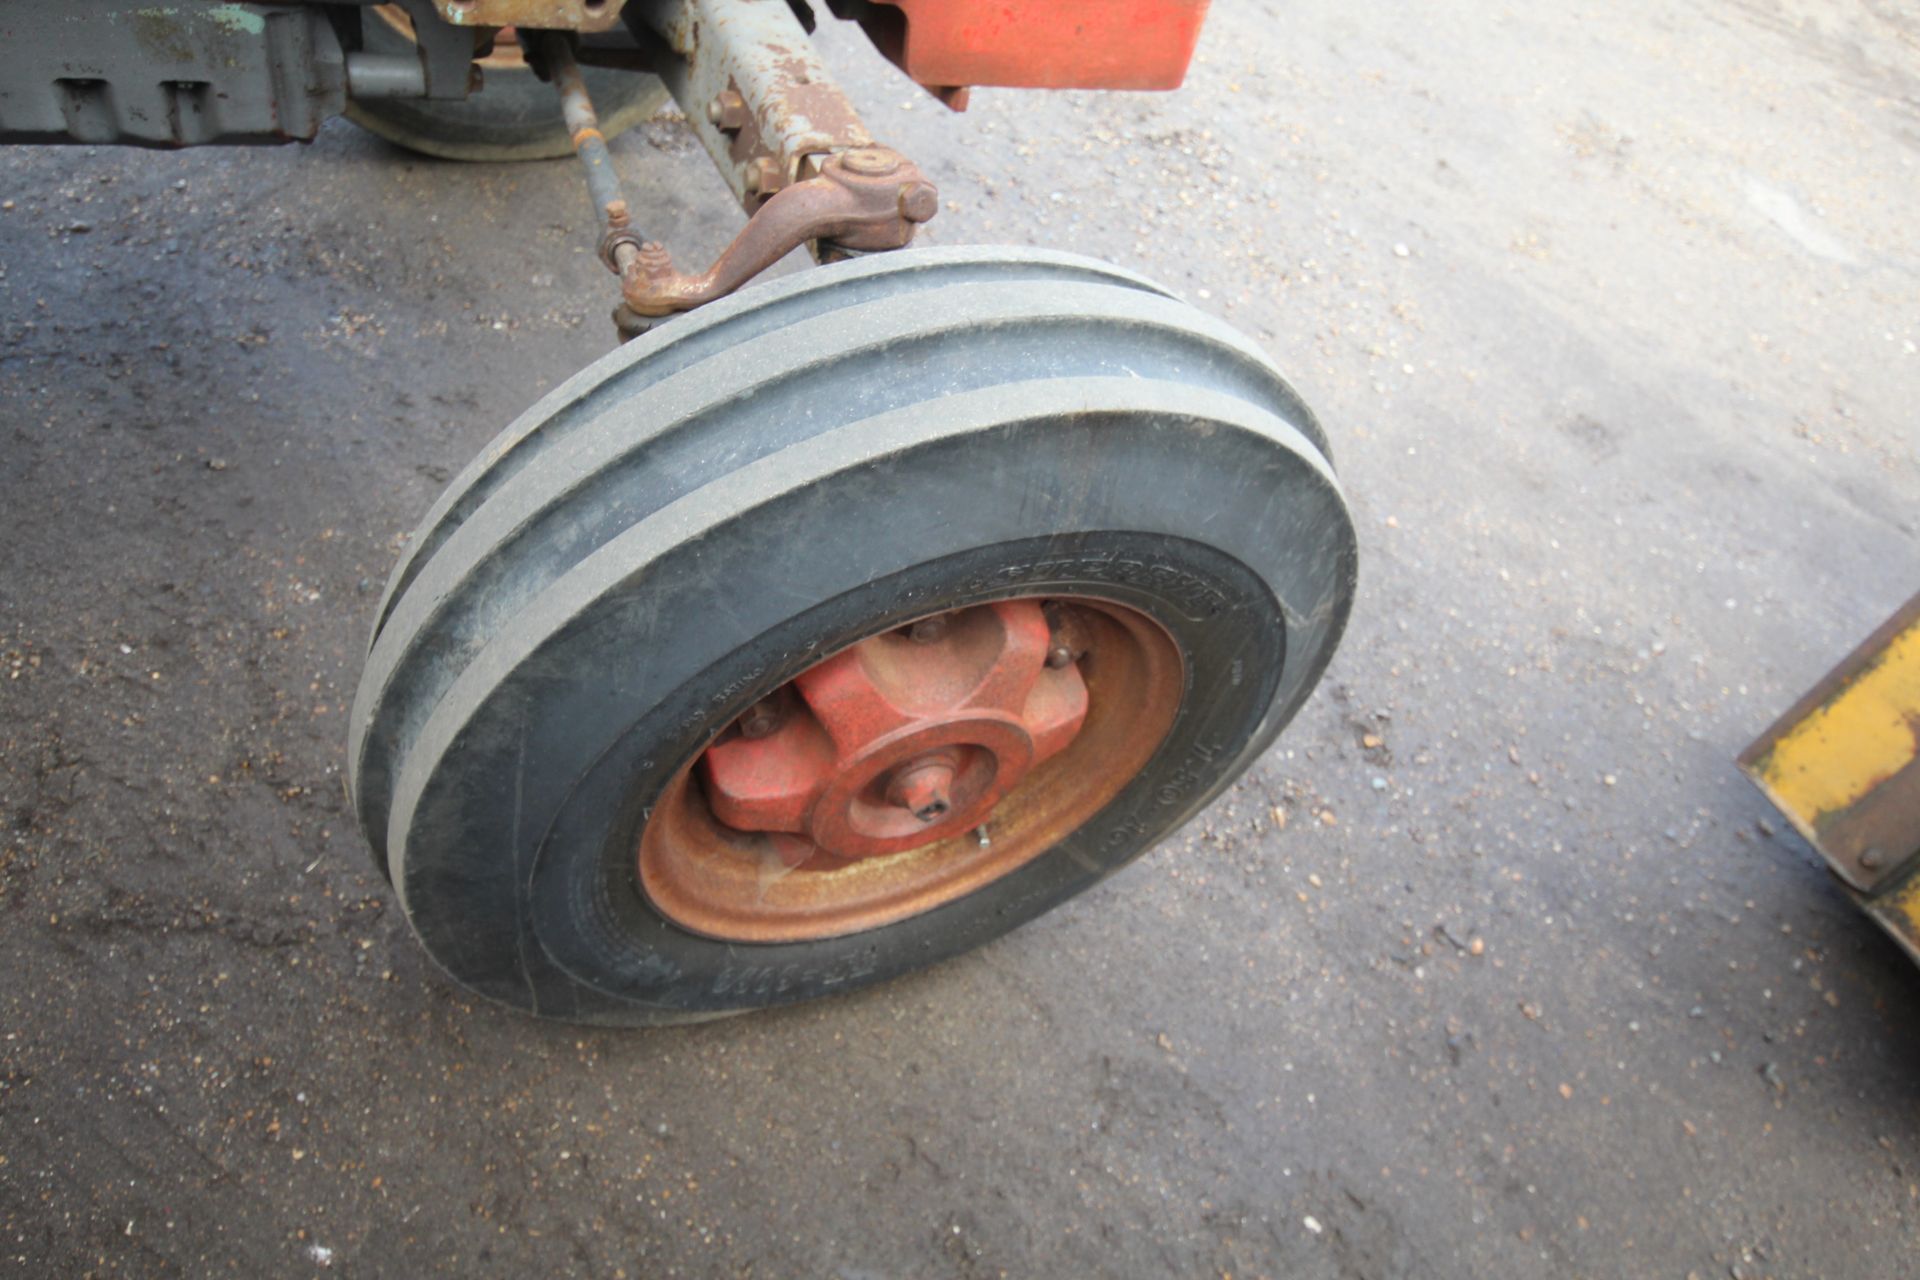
<point x="840" y="627"/>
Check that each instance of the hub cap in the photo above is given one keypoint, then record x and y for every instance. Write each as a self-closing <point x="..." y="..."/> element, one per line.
<point x="909" y="769"/>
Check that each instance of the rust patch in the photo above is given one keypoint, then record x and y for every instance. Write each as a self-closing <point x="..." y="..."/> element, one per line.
<point x="544" y="15"/>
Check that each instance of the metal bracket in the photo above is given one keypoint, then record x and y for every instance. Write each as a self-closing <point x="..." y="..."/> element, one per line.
<point x="782" y="133"/>
<point x="860" y="202"/>
<point x="753" y="90"/>
<point x="447" y="54"/>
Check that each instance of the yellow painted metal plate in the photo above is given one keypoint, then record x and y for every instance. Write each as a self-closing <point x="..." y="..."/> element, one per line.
<point x="1843" y="765"/>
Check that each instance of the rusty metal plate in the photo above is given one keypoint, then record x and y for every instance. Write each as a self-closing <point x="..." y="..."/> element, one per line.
<point x="1843" y="764"/>
<point x="755" y="93"/>
<point x="551" y="15"/>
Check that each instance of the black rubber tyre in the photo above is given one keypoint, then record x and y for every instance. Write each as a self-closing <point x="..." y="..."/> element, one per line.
<point x="515" y="116"/>
<point x="696" y="517"/>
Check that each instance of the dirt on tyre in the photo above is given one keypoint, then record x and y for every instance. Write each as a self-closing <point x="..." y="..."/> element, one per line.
<point x="840" y="627"/>
<point x="514" y="116"/>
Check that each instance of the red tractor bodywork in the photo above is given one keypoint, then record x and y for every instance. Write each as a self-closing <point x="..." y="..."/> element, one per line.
<point x="948" y="45"/>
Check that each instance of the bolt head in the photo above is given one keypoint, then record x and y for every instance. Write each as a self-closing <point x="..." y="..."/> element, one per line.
<point x="929" y="630"/>
<point x="1059" y="656"/>
<point x="762" y="720"/>
<point x="728" y="110"/>
<point x="763" y="176"/>
<point x="919" y="202"/>
<point x="1870" y="859"/>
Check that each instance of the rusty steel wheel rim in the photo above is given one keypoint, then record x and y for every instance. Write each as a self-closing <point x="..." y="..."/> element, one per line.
<point x="910" y="769"/>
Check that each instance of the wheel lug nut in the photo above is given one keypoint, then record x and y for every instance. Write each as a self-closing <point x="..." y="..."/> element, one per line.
<point x="761" y="720"/>
<point x="928" y="630"/>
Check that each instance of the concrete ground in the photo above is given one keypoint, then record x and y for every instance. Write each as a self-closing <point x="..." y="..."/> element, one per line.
<point x="1493" y="967"/>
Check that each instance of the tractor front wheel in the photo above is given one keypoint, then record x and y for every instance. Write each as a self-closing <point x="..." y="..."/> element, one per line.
<point x="839" y="627"/>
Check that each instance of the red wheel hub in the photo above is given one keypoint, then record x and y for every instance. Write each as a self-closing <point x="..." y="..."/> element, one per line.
<point x="904" y="739"/>
<point x="910" y="769"/>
